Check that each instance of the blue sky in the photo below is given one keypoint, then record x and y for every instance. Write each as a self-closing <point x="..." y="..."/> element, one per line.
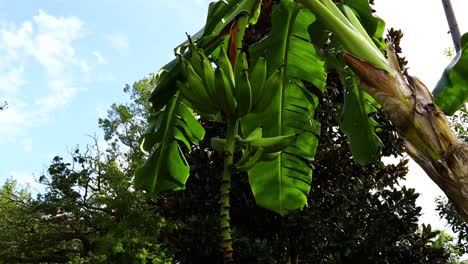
<point x="62" y="63"/>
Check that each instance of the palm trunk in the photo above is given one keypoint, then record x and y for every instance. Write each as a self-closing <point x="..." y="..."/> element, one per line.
<point x="425" y="129"/>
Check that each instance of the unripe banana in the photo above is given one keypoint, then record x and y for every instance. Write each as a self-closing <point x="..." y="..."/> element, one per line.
<point x="243" y="94"/>
<point x="218" y="144"/>
<point x="254" y="134"/>
<point x="241" y="65"/>
<point x="245" y="155"/>
<point x="274" y="144"/>
<point x="208" y="77"/>
<point x="225" y="64"/>
<point x="272" y="86"/>
<point x="193" y="98"/>
<point x="258" y="77"/>
<point x="224" y="92"/>
<point x="196" y="59"/>
<point x="252" y="161"/>
<point x="270" y="156"/>
<point x="196" y="84"/>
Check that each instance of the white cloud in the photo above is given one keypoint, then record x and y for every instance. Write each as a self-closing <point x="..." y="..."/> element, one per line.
<point x="27" y="180"/>
<point x="48" y="41"/>
<point x="118" y="41"/>
<point x="100" y="59"/>
<point x="46" y="38"/>
<point x="11" y="119"/>
<point x="27" y="144"/>
<point x="12" y="80"/>
<point x="58" y="98"/>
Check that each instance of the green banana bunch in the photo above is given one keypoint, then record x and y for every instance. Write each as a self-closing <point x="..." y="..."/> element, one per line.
<point x="266" y="93"/>
<point x="198" y="78"/>
<point x="263" y="149"/>
<point x="224" y="80"/>
<point x="270" y="145"/>
<point x="247" y="164"/>
<point x="243" y="88"/>
<point x="257" y="148"/>
<point x="208" y="77"/>
<point x="235" y="92"/>
<point x="254" y="134"/>
<point x="273" y="144"/>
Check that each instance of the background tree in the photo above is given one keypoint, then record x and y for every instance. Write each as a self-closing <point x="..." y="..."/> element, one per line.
<point x="445" y="208"/>
<point x="90" y="212"/>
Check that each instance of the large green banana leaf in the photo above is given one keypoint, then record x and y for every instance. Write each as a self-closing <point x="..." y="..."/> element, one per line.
<point x="355" y="122"/>
<point x="451" y="91"/>
<point x="282" y="184"/>
<point x="166" y="168"/>
<point x="359" y="128"/>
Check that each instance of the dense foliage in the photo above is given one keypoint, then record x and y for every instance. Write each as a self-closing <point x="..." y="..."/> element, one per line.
<point x="445" y="208"/>
<point x="357" y="212"/>
<point x="89" y="212"/>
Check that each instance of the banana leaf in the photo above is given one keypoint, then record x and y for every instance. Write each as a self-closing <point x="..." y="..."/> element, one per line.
<point x="170" y="133"/>
<point x="355" y="122"/>
<point x="451" y="92"/>
<point x="282" y="184"/>
<point x="220" y="15"/>
<point x="373" y="25"/>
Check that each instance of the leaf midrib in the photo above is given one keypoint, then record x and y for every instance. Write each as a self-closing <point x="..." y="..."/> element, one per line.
<point x="286" y="44"/>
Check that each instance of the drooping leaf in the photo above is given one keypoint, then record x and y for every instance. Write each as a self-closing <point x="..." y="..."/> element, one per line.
<point x="303" y="61"/>
<point x="170" y="132"/>
<point x="374" y="26"/>
<point x="166" y="87"/>
<point x="355" y="122"/>
<point x="220" y="15"/>
<point x="282" y="184"/>
<point x="451" y="91"/>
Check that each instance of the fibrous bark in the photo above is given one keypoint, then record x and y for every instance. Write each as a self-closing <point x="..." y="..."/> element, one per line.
<point x="428" y="137"/>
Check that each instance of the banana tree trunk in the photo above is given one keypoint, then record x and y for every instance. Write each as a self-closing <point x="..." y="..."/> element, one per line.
<point x="425" y="129"/>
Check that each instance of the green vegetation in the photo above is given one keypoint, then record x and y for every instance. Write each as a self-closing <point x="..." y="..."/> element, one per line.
<point x="268" y="94"/>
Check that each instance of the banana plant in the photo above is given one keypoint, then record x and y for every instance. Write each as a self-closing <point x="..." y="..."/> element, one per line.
<point x="228" y="92"/>
<point x="266" y="94"/>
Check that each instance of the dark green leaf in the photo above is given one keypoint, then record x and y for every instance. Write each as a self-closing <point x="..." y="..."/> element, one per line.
<point x="282" y="184"/>
<point x="356" y="123"/>
<point x="451" y="91"/>
<point x="166" y="168"/>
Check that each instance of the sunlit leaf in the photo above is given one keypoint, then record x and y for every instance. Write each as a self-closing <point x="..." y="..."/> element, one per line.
<point x="355" y="122"/>
<point x="374" y="26"/>
<point x="166" y="168"/>
<point x="282" y="184"/>
<point x="451" y="91"/>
